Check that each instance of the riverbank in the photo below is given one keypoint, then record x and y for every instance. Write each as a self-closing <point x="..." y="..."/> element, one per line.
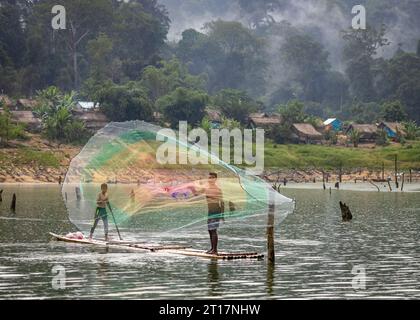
<point x="351" y="186"/>
<point x="37" y="160"/>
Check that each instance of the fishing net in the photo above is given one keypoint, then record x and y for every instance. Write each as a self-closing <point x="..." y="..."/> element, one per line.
<point x="148" y="196"/>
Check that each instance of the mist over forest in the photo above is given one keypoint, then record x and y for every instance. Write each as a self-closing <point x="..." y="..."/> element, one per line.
<point x="265" y="52"/>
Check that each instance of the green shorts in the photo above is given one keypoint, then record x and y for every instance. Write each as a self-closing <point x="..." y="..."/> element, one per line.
<point x="101" y="212"/>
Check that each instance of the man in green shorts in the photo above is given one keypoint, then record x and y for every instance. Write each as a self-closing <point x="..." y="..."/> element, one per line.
<point x="102" y="202"/>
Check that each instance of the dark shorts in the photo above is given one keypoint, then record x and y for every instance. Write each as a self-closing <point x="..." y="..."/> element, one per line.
<point x="101" y="212"/>
<point x="213" y="224"/>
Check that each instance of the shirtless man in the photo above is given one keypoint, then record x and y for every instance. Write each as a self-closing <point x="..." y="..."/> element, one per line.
<point x="215" y="210"/>
<point x="101" y="203"/>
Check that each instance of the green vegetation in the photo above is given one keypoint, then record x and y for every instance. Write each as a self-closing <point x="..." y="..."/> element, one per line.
<point x="110" y="44"/>
<point x="235" y="104"/>
<point x="393" y="111"/>
<point x="8" y="129"/>
<point x="327" y="157"/>
<point x="355" y="137"/>
<point x="54" y="109"/>
<point x="124" y="103"/>
<point x="25" y="156"/>
<point x="183" y="104"/>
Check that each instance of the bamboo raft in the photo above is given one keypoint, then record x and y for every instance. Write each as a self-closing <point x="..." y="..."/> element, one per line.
<point x="172" y="249"/>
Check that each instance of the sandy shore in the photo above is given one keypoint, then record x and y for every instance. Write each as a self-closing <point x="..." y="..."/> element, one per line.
<point x="345" y="186"/>
<point x="351" y="186"/>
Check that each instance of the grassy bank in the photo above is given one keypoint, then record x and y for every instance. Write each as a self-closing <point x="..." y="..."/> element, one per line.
<point x="40" y="162"/>
<point x="28" y="157"/>
<point x="330" y="157"/>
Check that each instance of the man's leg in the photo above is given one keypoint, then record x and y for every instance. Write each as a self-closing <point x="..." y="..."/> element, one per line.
<point x="94" y="225"/>
<point x="211" y="242"/>
<point x="105" y="221"/>
<point x="215" y="241"/>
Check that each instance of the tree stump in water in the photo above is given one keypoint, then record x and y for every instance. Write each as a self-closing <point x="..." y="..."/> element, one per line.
<point x="78" y="197"/>
<point x="13" y="205"/>
<point x="345" y="212"/>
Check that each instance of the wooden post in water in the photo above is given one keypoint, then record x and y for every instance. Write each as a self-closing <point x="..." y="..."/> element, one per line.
<point x="1" y="195"/>
<point x="383" y="171"/>
<point x="340" y="175"/>
<point x="396" y="171"/>
<point x="389" y="185"/>
<point x="13" y="205"/>
<point x="411" y="176"/>
<point x="78" y="197"/>
<point x="270" y="229"/>
<point x="402" y="183"/>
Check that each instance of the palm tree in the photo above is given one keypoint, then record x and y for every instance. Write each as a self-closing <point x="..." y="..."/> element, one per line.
<point x="355" y="137"/>
<point x="412" y="130"/>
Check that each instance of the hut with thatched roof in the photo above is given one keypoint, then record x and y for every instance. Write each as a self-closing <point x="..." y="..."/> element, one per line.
<point x="392" y="129"/>
<point x="368" y="132"/>
<point x="264" y="120"/>
<point x="214" y="116"/>
<point x="6" y="101"/>
<point x="306" y="133"/>
<point x="93" y="120"/>
<point x="25" y="104"/>
<point x="27" y="118"/>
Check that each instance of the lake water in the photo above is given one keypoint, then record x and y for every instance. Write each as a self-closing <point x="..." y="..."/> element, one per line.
<point x="318" y="256"/>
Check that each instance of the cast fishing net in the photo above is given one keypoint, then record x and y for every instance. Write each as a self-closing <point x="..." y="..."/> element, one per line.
<point x="147" y="196"/>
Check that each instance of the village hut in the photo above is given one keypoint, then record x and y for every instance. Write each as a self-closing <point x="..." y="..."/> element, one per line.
<point x="306" y="133"/>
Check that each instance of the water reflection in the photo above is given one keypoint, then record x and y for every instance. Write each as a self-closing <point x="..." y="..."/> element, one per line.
<point x="213" y="277"/>
<point x="315" y="253"/>
<point x="271" y="267"/>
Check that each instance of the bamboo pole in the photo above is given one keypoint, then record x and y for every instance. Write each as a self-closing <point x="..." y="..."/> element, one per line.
<point x="270" y="230"/>
<point x="396" y="171"/>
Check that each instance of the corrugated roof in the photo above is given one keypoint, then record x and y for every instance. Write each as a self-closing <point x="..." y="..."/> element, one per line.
<point x="86" y="104"/>
<point x="329" y="121"/>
